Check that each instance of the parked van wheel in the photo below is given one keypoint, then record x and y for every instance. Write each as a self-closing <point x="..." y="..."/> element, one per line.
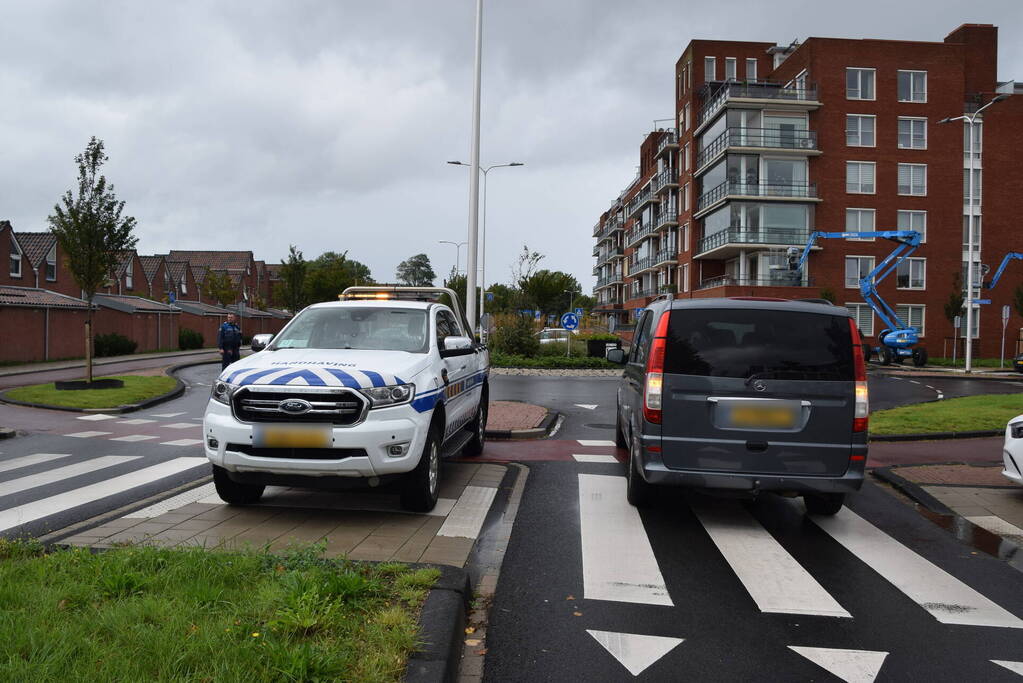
<point x="234" y="493"/>
<point x="638" y="491"/>
<point x="419" y="493"/>
<point x="823" y="503"/>
<point x="619" y="436"/>
<point x="479" y="428"/>
<point x="919" y="357"/>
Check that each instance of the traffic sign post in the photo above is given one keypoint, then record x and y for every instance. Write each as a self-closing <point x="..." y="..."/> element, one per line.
<point x="1005" y="323"/>
<point x="957" y="322"/>
<point x="569" y="321"/>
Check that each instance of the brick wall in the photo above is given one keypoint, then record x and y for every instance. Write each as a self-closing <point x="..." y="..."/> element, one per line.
<point x="23" y="334"/>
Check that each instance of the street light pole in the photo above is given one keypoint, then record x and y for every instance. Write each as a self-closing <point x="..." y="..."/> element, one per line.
<point x="458" y="251"/>
<point x="971" y="120"/>
<point x="474" y="179"/>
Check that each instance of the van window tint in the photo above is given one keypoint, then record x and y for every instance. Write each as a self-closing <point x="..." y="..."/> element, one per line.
<point x="640" y="343"/>
<point x="768" y="344"/>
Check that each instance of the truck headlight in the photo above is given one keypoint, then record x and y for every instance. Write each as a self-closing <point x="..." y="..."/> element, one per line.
<point x="222" y="392"/>
<point x="389" y="396"/>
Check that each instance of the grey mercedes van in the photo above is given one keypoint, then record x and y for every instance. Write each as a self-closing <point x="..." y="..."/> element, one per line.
<point x="745" y="394"/>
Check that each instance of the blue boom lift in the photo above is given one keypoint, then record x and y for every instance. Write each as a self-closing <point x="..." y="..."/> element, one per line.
<point x="898" y="340"/>
<point x="1012" y="255"/>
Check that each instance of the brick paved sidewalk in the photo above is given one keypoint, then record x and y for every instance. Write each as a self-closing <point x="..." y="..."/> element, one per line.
<point x="514" y="415"/>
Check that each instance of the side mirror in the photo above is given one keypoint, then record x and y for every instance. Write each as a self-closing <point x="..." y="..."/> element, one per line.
<point x="456" y="346"/>
<point x="616" y="356"/>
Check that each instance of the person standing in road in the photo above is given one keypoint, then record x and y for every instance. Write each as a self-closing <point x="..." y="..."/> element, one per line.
<point x="229" y="341"/>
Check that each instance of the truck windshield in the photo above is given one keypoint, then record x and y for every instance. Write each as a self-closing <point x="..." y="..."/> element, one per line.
<point x="759" y="344"/>
<point x="373" y="329"/>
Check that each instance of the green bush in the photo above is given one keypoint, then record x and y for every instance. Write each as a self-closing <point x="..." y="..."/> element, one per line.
<point x="515" y="335"/>
<point x="113" y="344"/>
<point x="558" y="349"/>
<point x="246" y="339"/>
<point x="598" y="336"/>
<point x="501" y="360"/>
<point x="189" y="339"/>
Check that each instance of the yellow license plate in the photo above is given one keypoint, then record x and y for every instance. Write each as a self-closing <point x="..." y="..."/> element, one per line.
<point x="297" y="436"/>
<point x="763" y="416"/>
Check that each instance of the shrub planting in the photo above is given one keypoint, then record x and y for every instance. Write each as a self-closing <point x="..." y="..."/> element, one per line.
<point x="189" y="339"/>
<point x="114" y="344"/>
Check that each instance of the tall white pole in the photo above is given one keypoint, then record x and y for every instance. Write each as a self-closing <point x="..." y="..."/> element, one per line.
<point x="474" y="179"/>
<point x="969" y="254"/>
<point x="483" y="250"/>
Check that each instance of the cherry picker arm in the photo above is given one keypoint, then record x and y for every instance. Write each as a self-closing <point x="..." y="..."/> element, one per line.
<point x="1012" y="255"/>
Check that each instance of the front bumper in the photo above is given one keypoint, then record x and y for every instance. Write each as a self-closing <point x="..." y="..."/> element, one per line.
<point x="382" y="428"/>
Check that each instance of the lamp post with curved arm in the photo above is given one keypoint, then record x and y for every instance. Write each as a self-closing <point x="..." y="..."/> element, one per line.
<point x="458" y="250"/>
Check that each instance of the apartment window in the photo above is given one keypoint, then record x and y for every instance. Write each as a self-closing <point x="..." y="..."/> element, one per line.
<point x="710" y="69"/>
<point x="857" y="268"/>
<point x="911" y="273"/>
<point x="129" y="280"/>
<point x="859" y="130"/>
<point x="15" y="259"/>
<point x="912" y="315"/>
<point x="751" y="69"/>
<point x="859" y="177"/>
<point x="860" y="220"/>
<point x="685" y="237"/>
<point x="912" y="133"/>
<point x="976" y="187"/>
<point x="685" y="117"/>
<point x="859" y="84"/>
<point x="51" y="264"/>
<point x="966" y="231"/>
<point x="685" y="197"/>
<point x="685" y="157"/>
<point x="731" y="68"/>
<point x="913" y="179"/>
<point x="863" y="316"/>
<point x="684" y="277"/>
<point x="914" y="220"/>
<point x="976" y="324"/>
<point x="912" y="86"/>
<point x="978" y="138"/>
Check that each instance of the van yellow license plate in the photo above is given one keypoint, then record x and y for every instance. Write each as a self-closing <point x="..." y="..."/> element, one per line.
<point x="763" y="417"/>
<point x="292" y="436"/>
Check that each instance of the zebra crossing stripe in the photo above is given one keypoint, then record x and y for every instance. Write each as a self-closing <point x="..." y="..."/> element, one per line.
<point x="945" y="597"/>
<point x="618" y="561"/>
<point x="852" y="666"/>
<point x="27" y="460"/>
<point x="61" y="473"/>
<point x="772" y="577"/>
<point x="30" y="512"/>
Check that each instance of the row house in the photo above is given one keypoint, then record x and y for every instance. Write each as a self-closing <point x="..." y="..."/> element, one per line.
<point x="773" y="142"/>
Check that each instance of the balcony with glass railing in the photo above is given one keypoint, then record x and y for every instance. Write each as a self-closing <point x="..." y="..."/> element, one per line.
<point x="730" y="281"/>
<point x="667" y="143"/>
<point x="615" y="277"/>
<point x="725" y="243"/>
<point x="666" y="219"/>
<point x="665" y="180"/>
<point x="666" y="255"/>
<point x="637" y="234"/>
<point x="719" y="94"/>
<point x="643" y="293"/>
<point x="799" y="191"/>
<point x="757" y="139"/>
<point x="640" y="265"/>
<point x="640" y="201"/>
<point x="606" y="255"/>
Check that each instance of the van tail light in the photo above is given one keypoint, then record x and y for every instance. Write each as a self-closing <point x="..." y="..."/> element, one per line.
<point x="861" y="412"/>
<point x="655" y="372"/>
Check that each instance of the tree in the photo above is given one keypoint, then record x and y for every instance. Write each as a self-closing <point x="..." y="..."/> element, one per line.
<point x="331" y="273"/>
<point x="218" y="287"/>
<point x="545" y="291"/>
<point x="416" y="271"/>
<point x="1017" y="300"/>
<point x="505" y="298"/>
<point x="956" y="298"/>
<point x="91" y="231"/>
<point x="290" y="291"/>
<point x="458" y="283"/>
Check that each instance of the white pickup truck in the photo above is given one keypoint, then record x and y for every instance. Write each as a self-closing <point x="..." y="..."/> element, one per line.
<point x="375" y="387"/>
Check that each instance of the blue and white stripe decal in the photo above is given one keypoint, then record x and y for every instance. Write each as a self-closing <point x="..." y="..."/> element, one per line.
<point x="428" y="400"/>
<point x="307" y="376"/>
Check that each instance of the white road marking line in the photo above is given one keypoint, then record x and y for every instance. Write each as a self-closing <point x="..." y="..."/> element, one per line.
<point x="587" y="406"/>
<point x="60" y="473"/>
<point x="30" y="512"/>
<point x="26" y="460"/>
<point x="88" y="435"/>
<point x="136" y="421"/>
<point x="997" y="525"/>
<point x="913" y="381"/>
<point x="945" y="597"/>
<point x="134" y="437"/>
<point x="282" y="496"/>
<point x="97" y="417"/>
<point x="852" y="666"/>
<point x="181" y="425"/>
<point x="582" y="457"/>
<point x="181" y="442"/>
<point x="772" y="577"/>
<point x="1015" y="667"/>
<point x="466" y="518"/>
<point x="595" y="442"/>
<point x="166" y="414"/>
<point x="940" y="395"/>
<point x="633" y="651"/>
<point x="618" y="562"/>
<point x="175" y="502"/>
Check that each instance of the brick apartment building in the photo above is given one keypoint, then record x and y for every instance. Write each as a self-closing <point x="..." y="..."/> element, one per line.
<point x="773" y="142"/>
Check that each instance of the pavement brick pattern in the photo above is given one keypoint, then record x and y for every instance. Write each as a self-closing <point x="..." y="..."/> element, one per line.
<point x="382" y="533"/>
<point x="514" y="415"/>
<point x="956" y="475"/>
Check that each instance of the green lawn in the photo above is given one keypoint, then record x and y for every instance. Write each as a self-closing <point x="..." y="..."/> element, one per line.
<point x="972" y="413"/>
<point x="136" y="388"/>
<point x="977" y="362"/>
<point x="144" y="614"/>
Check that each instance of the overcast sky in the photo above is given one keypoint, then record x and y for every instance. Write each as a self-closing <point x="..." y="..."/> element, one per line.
<point x="326" y="124"/>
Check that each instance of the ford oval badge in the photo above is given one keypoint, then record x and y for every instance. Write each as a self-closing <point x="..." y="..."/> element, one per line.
<point x="296" y="406"/>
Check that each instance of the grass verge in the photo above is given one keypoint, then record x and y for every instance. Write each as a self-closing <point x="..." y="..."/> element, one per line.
<point x="136" y="388"/>
<point x="144" y="613"/>
<point x="968" y="414"/>
<point x="977" y="362"/>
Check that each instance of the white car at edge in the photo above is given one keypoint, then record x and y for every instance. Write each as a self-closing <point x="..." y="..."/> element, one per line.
<point x="1012" y="450"/>
<point x="366" y="390"/>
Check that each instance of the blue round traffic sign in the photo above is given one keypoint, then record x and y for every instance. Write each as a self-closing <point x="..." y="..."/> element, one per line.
<point x="570" y="321"/>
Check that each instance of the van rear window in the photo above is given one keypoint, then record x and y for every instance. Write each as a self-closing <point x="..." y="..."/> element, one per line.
<point x="768" y="344"/>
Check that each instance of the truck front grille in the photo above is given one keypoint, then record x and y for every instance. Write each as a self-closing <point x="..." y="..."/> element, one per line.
<point x="263" y="404"/>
